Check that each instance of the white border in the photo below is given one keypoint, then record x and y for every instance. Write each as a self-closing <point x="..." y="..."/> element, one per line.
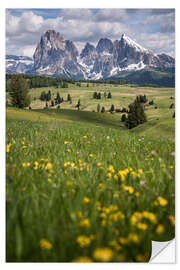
<point x="74" y="4"/>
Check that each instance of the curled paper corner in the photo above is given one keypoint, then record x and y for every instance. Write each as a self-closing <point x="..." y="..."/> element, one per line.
<point x="163" y="252"/>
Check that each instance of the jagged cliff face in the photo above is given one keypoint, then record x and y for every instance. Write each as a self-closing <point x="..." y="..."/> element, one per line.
<point x="56" y="56"/>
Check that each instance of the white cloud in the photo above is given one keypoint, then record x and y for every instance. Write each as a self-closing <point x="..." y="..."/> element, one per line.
<point x="81" y="26"/>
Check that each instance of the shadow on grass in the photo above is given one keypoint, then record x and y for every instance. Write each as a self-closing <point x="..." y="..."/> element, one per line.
<point x="98" y="119"/>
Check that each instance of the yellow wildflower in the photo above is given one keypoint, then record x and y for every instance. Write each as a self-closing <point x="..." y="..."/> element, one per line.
<point x="111" y="169"/>
<point x="84" y="223"/>
<point x="150" y="216"/>
<point x="83" y="260"/>
<point x="68" y="150"/>
<point x="73" y="165"/>
<point x="91" y="155"/>
<point x="162" y="201"/>
<point x="109" y="175"/>
<point x="83" y="241"/>
<point x="135" y="174"/>
<point x="24" y="164"/>
<point x="22" y="142"/>
<point x="140" y="171"/>
<point x="8" y="146"/>
<point x="99" y="164"/>
<point x="103" y="254"/>
<point x="36" y="163"/>
<point x="86" y="200"/>
<point x="24" y="146"/>
<point x="49" y="180"/>
<point x="133" y="237"/>
<point x="45" y="244"/>
<point x="137" y="194"/>
<point x="172" y="219"/>
<point x="123" y="241"/>
<point x="116" y="177"/>
<point x="122" y="174"/>
<point x="160" y="229"/>
<point x="171" y="167"/>
<point x="136" y="217"/>
<point x="128" y="188"/>
<point x="142" y="226"/>
<point x="85" y="137"/>
<point x="49" y="166"/>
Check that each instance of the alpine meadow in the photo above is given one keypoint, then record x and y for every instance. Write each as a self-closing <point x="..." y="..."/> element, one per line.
<point x="90" y="147"/>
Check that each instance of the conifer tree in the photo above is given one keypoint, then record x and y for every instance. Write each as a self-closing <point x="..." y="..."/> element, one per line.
<point x="136" y="115"/>
<point x="19" y="92"/>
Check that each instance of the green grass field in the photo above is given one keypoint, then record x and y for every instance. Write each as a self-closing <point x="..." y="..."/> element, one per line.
<point x="83" y="188"/>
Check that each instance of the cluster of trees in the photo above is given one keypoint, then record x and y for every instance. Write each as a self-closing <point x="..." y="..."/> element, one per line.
<point x="35" y="81"/>
<point x="98" y="95"/>
<point x="45" y="96"/>
<point x="115" y="82"/>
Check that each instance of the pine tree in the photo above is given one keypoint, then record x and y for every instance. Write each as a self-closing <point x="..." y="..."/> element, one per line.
<point x="95" y="95"/>
<point x="19" y="92"/>
<point x="112" y="108"/>
<point x="123" y="118"/>
<point x="103" y="110"/>
<point x="68" y="97"/>
<point x="109" y="95"/>
<point x="136" y="115"/>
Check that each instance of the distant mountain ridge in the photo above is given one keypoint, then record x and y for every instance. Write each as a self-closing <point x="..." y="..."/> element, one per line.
<point x="55" y="56"/>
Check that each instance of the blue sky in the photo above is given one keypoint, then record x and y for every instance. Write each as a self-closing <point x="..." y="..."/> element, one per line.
<point x="152" y="28"/>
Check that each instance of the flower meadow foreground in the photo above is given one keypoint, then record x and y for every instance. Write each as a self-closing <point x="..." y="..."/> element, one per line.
<point x="82" y="194"/>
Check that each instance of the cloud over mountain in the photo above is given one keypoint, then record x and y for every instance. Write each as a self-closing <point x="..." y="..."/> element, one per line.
<point x="153" y="28"/>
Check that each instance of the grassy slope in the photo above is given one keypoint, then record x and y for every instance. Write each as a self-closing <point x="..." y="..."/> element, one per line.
<point x="39" y="208"/>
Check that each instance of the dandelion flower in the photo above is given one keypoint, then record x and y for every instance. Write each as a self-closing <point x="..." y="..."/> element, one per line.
<point x="86" y="200"/>
<point x="103" y="254"/>
<point x="133" y="237"/>
<point x="49" y="166"/>
<point x="8" y="146"/>
<point x="45" y="244"/>
<point x="84" y="223"/>
<point x="162" y="201"/>
<point x="160" y="229"/>
<point x="83" y="241"/>
<point x="142" y="226"/>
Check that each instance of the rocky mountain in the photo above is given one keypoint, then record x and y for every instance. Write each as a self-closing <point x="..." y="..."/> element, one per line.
<point x="55" y="56"/>
<point x="18" y="64"/>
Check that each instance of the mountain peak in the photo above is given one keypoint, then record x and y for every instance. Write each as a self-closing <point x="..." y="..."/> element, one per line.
<point x="104" y="44"/>
<point x="127" y="40"/>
